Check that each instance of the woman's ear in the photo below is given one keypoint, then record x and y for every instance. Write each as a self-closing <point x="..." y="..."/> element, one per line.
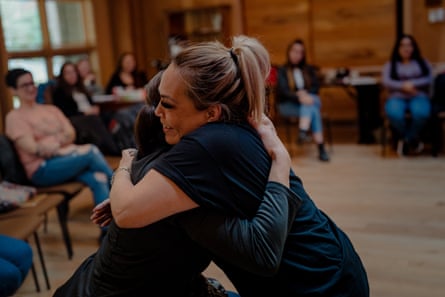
<point x="214" y="113"/>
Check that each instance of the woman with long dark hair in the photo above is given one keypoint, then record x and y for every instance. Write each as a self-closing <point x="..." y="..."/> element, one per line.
<point x="407" y="76"/>
<point x="72" y="97"/>
<point x="126" y="74"/>
<point x="297" y="92"/>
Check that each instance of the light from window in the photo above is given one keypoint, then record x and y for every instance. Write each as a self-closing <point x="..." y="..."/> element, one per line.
<point x="21" y="25"/>
<point x="65" y="23"/>
<point x="58" y="61"/>
<point x="37" y="67"/>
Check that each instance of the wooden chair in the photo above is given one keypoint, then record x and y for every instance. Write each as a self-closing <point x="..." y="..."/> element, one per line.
<point x="12" y="170"/>
<point x="23" y="227"/>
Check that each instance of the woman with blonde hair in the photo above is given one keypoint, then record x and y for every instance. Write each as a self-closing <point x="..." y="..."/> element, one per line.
<point x="207" y="94"/>
<point x="218" y="162"/>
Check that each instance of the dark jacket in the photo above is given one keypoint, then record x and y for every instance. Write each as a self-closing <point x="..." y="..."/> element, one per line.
<point x="139" y="78"/>
<point x="66" y="102"/>
<point x="286" y="87"/>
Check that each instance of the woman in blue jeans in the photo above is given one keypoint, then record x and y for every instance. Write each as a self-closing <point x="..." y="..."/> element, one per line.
<point x="297" y="92"/>
<point x="43" y="138"/>
<point x="15" y="262"/>
<point x="407" y="76"/>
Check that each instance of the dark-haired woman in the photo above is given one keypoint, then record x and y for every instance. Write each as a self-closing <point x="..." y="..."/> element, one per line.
<point x="297" y="90"/>
<point x="126" y="75"/>
<point x="407" y="76"/>
<point x="72" y="97"/>
<point x="43" y="138"/>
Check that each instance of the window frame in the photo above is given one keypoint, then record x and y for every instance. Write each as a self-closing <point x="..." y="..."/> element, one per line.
<point x="48" y="52"/>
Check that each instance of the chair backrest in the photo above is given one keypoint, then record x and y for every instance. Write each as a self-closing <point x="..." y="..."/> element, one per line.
<point x="44" y="92"/>
<point x="11" y="169"/>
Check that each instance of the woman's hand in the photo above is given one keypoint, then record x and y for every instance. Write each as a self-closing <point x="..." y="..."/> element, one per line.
<point x="281" y="161"/>
<point x="102" y="214"/>
<point x="305" y="98"/>
<point x="127" y="157"/>
<point x="409" y="88"/>
<point x="66" y="150"/>
<point x="94" y="110"/>
<point x="48" y="149"/>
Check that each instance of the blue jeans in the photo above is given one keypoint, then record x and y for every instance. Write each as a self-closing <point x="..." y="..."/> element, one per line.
<point x="418" y="106"/>
<point x="15" y="262"/>
<point x="292" y="109"/>
<point x="79" y="167"/>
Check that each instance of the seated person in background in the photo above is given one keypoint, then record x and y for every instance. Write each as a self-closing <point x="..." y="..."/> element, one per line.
<point x="43" y="138"/>
<point x="72" y="97"/>
<point x="126" y="75"/>
<point x="407" y="76"/>
<point x="88" y="77"/>
<point x="297" y="95"/>
<point x="15" y="262"/>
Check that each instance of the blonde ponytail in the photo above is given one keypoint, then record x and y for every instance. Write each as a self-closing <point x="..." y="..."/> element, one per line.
<point x="234" y="78"/>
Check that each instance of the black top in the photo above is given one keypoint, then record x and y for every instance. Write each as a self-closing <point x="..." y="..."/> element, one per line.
<point x="214" y="166"/>
<point x="66" y="102"/>
<point x="156" y="260"/>
<point x="160" y="260"/>
<point x="139" y="78"/>
<point x="318" y="259"/>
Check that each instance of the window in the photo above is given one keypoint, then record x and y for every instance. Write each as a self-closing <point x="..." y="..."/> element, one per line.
<point x="40" y="35"/>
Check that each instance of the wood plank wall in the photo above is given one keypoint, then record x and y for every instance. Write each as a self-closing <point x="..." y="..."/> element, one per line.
<point x="276" y="23"/>
<point x="147" y="32"/>
<point x="430" y="36"/>
<point x="337" y="33"/>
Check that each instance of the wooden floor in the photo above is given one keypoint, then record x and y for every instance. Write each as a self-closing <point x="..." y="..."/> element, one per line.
<point x="393" y="210"/>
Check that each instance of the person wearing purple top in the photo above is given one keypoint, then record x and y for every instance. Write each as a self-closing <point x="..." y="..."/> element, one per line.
<point x="407" y="77"/>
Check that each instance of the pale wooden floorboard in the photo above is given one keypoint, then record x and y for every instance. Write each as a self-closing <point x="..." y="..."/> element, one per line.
<point x="393" y="209"/>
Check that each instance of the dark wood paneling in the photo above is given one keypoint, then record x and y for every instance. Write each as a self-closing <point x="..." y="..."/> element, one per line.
<point x="276" y="23"/>
<point x="352" y="33"/>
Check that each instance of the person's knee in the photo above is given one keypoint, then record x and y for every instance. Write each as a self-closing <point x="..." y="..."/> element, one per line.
<point x="394" y="111"/>
<point x="421" y="113"/>
<point x="101" y="177"/>
<point x="85" y="148"/>
<point x="24" y="254"/>
<point x="10" y="278"/>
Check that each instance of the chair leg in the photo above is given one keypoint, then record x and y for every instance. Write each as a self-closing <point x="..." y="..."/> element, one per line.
<point x="62" y="214"/>
<point x="34" y="276"/>
<point x="384" y="138"/>
<point x="42" y="261"/>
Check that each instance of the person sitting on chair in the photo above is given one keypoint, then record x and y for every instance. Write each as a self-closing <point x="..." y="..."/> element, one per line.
<point x="297" y="93"/>
<point x="407" y="76"/>
<point x="44" y="139"/>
